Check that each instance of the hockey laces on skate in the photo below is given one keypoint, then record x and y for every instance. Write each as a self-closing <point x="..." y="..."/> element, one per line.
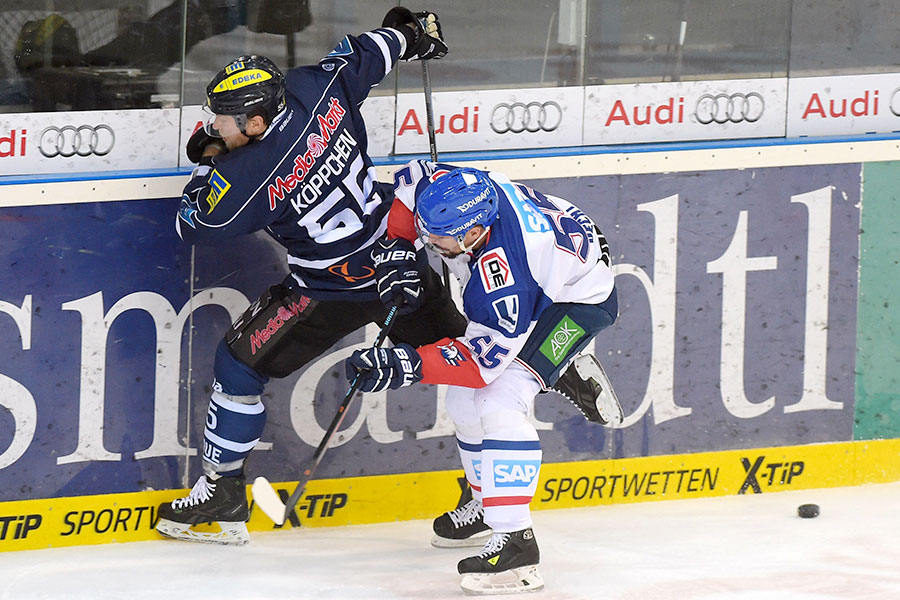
<point x="201" y="492"/>
<point x="495" y="544"/>
<point x="467" y="514"/>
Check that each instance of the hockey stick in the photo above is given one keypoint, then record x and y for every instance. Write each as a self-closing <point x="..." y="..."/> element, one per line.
<point x="429" y="111"/>
<point x="432" y="142"/>
<point x="265" y="496"/>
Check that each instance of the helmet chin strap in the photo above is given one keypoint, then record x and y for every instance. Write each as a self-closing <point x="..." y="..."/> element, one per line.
<point x="462" y="245"/>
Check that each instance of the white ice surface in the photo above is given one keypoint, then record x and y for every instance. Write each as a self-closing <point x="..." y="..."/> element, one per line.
<point x="740" y="547"/>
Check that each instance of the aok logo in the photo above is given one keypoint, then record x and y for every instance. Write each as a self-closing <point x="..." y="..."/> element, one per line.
<point x="515" y="473"/>
<point x="23" y="525"/>
<point x="779" y="473"/>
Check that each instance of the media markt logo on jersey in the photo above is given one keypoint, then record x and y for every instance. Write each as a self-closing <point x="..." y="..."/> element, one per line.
<point x="563" y="336"/>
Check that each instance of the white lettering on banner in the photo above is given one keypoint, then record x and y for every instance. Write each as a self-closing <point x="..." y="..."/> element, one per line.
<point x="661" y="292"/>
<point x="818" y="261"/>
<point x="14" y="396"/>
<point x="734" y="265"/>
<point x="95" y="327"/>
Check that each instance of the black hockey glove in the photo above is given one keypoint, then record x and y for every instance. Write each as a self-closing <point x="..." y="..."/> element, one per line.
<point x="397" y="274"/>
<point x="380" y="368"/>
<point x="424" y="38"/>
<point x="198" y="143"/>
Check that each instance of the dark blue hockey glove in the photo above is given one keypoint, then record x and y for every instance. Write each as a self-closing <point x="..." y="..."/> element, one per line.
<point x="380" y="368"/>
<point x="422" y="30"/>
<point x="198" y="143"/>
<point x="397" y="274"/>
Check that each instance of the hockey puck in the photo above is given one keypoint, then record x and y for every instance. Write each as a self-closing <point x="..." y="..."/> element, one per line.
<point x="808" y="511"/>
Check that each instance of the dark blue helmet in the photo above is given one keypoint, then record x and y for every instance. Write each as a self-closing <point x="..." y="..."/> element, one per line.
<point x="456" y="202"/>
<point x="247" y="85"/>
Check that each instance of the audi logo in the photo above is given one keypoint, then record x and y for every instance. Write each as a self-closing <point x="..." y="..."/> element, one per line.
<point x="519" y="116"/>
<point x="895" y="103"/>
<point x="83" y="140"/>
<point x="734" y="108"/>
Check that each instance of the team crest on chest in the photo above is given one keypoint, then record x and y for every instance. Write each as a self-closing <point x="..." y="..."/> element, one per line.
<point x="495" y="271"/>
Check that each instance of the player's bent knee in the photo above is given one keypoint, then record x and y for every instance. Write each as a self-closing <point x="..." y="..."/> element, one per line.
<point x="233" y="377"/>
<point x="460" y="404"/>
<point x="507" y="420"/>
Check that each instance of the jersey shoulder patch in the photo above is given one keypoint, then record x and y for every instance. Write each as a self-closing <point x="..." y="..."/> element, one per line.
<point x="344" y="48"/>
<point x="494" y="270"/>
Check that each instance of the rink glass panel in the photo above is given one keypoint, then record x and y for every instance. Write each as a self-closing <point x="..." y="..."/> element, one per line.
<point x="101" y="54"/>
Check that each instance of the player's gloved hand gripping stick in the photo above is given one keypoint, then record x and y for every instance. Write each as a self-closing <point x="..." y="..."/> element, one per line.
<point x="265" y="496"/>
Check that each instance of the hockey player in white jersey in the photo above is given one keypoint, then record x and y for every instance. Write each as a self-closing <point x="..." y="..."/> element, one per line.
<point x="537" y="288"/>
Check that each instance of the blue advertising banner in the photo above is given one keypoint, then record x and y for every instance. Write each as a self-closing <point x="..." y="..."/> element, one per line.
<point x="737" y="294"/>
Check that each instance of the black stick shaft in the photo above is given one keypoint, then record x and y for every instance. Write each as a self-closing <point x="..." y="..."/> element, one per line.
<point x="429" y="111"/>
<point x="309" y="468"/>
<point x="432" y="142"/>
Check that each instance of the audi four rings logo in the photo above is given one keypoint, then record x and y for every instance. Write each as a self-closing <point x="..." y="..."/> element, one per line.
<point x="734" y="108"/>
<point x="895" y="102"/>
<point x="83" y="140"/>
<point x="532" y="117"/>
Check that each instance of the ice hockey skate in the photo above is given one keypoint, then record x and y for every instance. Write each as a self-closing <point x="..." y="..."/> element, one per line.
<point x="507" y="565"/>
<point x="586" y="385"/>
<point x="215" y="512"/>
<point x="461" y="527"/>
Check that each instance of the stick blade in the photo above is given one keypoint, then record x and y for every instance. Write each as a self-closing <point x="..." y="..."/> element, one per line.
<point x="266" y="498"/>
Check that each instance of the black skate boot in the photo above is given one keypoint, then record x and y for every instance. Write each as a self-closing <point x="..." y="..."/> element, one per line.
<point x="586" y="385"/>
<point x="222" y="501"/>
<point x="507" y="565"/>
<point x="461" y="527"/>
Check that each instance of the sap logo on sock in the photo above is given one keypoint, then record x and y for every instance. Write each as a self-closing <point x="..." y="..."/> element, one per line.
<point x="515" y="473"/>
<point x="476" y="466"/>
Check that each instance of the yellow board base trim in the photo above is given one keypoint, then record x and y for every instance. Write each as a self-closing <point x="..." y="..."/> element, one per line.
<point x="130" y="517"/>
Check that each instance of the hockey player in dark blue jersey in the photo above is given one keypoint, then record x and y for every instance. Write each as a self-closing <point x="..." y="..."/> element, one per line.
<point x="537" y="288"/>
<point x="287" y="153"/>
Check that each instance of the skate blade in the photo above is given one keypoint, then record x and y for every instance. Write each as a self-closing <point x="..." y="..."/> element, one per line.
<point x="607" y="403"/>
<point x="228" y="533"/>
<point x="475" y="541"/>
<point x="513" y="581"/>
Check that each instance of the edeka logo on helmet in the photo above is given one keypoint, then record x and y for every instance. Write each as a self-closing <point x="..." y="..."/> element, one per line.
<point x="456" y="202"/>
<point x="242" y="79"/>
<point x="248" y="84"/>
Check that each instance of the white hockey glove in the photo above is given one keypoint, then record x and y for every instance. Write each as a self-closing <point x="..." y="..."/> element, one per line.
<point x="424" y="38"/>
<point x="380" y="368"/>
<point x="397" y="275"/>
